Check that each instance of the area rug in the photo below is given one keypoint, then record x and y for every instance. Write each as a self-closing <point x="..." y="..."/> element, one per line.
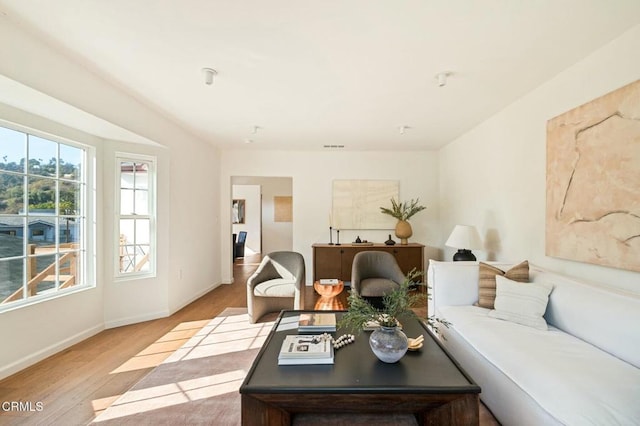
<point x="197" y="384"/>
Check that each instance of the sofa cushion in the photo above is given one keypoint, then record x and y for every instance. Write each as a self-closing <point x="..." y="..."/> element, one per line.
<point x="277" y="287"/>
<point x="573" y="381"/>
<point x="522" y="303"/>
<point x="606" y="317"/>
<point x="487" y="280"/>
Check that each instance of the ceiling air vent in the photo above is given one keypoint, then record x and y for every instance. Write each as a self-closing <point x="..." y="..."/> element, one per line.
<point x="333" y="146"/>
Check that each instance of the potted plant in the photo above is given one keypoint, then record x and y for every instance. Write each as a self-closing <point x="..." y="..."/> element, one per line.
<point x="387" y="342"/>
<point x="403" y="212"/>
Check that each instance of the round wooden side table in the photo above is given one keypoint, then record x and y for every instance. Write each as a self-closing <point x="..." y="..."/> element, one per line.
<point x="329" y="299"/>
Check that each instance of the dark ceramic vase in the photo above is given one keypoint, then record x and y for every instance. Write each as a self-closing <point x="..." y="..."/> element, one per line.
<point x="389" y="242"/>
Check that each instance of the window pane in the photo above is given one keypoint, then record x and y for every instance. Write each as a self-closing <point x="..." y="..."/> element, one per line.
<point x="11" y="273"/>
<point x="126" y="175"/>
<point x="11" y="193"/>
<point x="11" y="237"/>
<point x="142" y="231"/>
<point x="142" y="258"/>
<point x="70" y="162"/>
<point x="42" y="231"/>
<point x="42" y="156"/>
<point x="42" y="195"/>
<point x="142" y="176"/>
<point x="70" y="272"/>
<point x="142" y="202"/>
<point x="12" y="148"/>
<point x="70" y="232"/>
<point x="127" y="245"/>
<point x="126" y="201"/>
<point x="127" y="231"/>
<point x="70" y="202"/>
<point x="41" y="274"/>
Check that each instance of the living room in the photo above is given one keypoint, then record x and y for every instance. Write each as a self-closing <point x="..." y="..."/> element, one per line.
<point x="491" y="175"/>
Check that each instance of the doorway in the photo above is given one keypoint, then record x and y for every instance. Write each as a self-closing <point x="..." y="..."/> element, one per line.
<point x="269" y="228"/>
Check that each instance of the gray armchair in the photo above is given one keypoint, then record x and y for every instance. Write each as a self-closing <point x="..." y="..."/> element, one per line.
<point x="375" y="273"/>
<point x="278" y="283"/>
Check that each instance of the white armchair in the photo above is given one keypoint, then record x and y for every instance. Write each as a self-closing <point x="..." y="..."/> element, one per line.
<point x="278" y="283"/>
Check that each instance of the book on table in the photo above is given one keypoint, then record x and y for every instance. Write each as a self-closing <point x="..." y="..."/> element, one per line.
<point x="329" y="281"/>
<point x="305" y="349"/>
<point x="317" y="322"/>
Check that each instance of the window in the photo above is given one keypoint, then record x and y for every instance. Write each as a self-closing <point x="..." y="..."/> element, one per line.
<point x="43" y="217"/>
<point x="136" y="216"/>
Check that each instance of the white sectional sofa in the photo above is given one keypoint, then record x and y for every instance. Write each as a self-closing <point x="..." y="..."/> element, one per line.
<point x="583" y="370"/>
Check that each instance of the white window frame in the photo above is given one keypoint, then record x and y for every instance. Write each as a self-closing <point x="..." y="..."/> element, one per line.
<point x="121" y="157"/>
<point x="87" y="243"/>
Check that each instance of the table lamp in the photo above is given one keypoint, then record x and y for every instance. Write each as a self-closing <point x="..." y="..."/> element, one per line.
<point x="464" y="238"/>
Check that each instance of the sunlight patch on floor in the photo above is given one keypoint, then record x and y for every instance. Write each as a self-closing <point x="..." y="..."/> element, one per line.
<point x="230" y="334"/>
<point x="144" y="400"/>
<point x="101" y="404"/>
<point x="187" y="341"/>
<point x="154" y="354"/>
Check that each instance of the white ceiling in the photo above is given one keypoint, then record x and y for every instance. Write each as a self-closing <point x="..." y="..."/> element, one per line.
<point x="337" y="72"/>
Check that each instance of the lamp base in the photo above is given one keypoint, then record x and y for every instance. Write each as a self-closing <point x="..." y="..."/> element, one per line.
<point x="463" y="254"/>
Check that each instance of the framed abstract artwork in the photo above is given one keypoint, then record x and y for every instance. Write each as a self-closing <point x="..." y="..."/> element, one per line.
<point x="593" y="181"/>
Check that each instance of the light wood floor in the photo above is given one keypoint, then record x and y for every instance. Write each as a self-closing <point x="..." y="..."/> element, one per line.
<point x="78" y="383"/>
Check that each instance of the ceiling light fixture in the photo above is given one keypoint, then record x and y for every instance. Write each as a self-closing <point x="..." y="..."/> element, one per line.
<point x="442" y="78"/>
<point x="248" y="141"/>
<point x="209" y="73"/>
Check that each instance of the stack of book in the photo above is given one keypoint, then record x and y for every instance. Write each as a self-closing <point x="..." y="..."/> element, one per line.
<point x="317" y="322"/>
<point x="299" y="350"/>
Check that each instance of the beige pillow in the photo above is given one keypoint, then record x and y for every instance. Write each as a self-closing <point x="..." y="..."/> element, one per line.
<point x="487" y="283"/>
<point x="522" y="303"/>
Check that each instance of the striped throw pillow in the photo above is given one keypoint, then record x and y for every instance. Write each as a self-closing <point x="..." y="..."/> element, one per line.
<point x="487" y="283"/>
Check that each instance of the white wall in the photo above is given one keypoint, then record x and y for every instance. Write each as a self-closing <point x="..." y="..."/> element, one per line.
<point x="313" y="174"/>
<point x="188" y="203"/>
<point x="494" y="176"/>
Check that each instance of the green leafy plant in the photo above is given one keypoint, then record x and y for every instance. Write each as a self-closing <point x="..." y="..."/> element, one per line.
<point x="403" y="211"/>
<point x="395" y="304"/>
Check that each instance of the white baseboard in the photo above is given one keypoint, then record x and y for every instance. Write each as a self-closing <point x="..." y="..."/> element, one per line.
<point x="155" y="315"/>
<point x="194" y="298"/>
<point x="136" y="319"/>
<point x="28" y="361"/>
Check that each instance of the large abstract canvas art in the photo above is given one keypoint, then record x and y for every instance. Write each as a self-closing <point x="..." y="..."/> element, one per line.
<point x="593" y="181"/>
<point x="356" y="204"/>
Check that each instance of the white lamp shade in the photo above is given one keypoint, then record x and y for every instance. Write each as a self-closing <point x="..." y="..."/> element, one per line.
<point x="464" y="237"/>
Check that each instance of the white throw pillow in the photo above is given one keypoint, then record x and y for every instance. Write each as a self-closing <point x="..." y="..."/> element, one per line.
<point x="522" y="303"/>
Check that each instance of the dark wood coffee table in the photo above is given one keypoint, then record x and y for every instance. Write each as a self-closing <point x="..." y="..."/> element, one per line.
<point x="429" y="383"/>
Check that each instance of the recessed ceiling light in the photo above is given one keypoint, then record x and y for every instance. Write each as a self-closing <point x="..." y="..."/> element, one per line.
<point x="248" y="141"/>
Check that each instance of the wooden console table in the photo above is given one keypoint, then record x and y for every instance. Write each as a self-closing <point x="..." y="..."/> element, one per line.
<point x="333" y="261"/>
